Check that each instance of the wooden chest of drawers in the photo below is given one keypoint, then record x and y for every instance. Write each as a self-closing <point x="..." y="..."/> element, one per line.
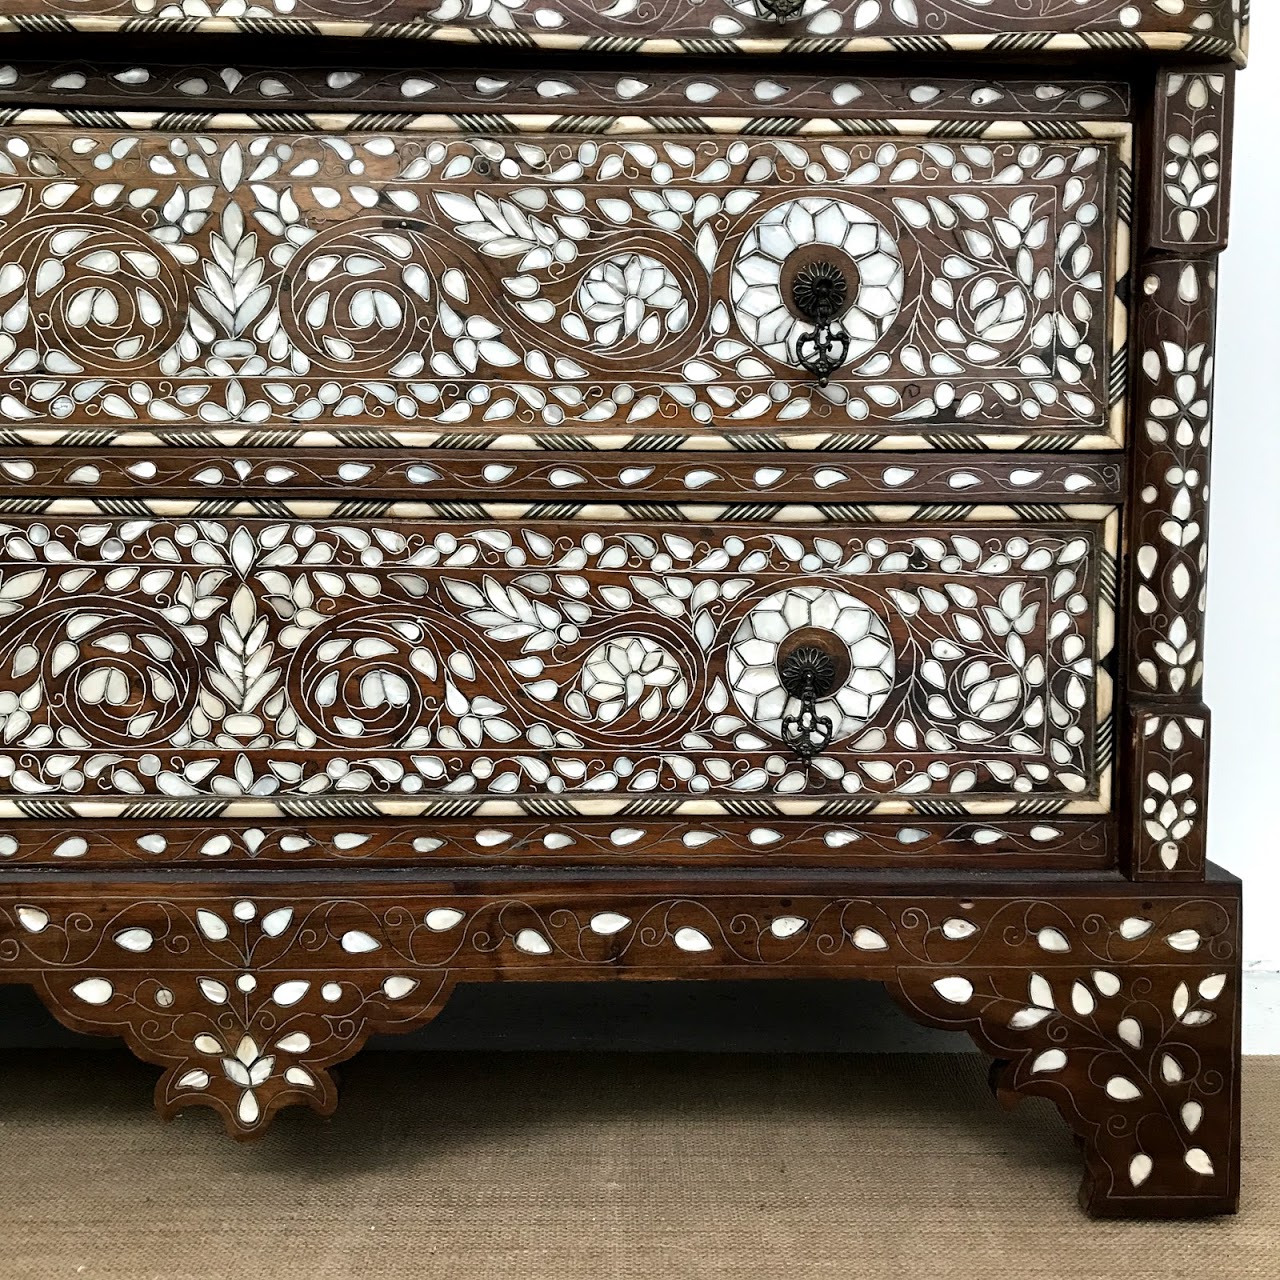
<point x="564" y="511"/>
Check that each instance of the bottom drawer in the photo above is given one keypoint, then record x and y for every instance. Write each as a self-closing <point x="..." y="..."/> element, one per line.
<point x="597" y="667"/>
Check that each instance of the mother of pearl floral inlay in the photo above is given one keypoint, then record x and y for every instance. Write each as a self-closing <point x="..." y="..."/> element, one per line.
<point x="752" y="665"/>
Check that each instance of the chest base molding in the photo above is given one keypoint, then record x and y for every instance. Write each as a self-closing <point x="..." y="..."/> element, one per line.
<point x="1118" y="1002"/>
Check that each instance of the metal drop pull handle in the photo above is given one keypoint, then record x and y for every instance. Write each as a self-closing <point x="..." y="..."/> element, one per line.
<point x="808" y="673"/>
<point x="819" y="293"/>
<point x="782" y="10"/>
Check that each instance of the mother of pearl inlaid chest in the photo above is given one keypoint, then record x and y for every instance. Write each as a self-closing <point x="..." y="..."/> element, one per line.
<point x="556" y="490"/>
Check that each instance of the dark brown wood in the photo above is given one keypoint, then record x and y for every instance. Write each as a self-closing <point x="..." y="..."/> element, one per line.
<point x="417" y="479"/>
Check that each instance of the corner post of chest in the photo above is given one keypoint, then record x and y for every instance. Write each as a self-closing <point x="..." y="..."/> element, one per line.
<point x="1182" y="230"/>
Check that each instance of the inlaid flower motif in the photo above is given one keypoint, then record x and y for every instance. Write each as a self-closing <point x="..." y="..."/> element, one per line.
<point x="992" y="690"/>
<point x="1181" y="416"/>
<point x="248" y="1068"/>
<point x="998" y="315"/>
<point x="632" y="296"/>
<point x="1170" y="811"/>
<point x="632" y="671"/>
<point x="252" y="1074"/>
<point x="1193" y="170"/>
<point x="1172" y="768"/>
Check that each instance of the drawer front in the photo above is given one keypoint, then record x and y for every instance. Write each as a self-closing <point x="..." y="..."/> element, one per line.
<point x="601" y="661"/>
<point x="621" y="286"/>
<point x="1217" y="27"/>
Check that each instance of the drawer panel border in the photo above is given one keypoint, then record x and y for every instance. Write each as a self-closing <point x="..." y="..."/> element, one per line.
<point x="363" y="475"/>
<point x="464" y="836"/>
<point x="479" y="99"/>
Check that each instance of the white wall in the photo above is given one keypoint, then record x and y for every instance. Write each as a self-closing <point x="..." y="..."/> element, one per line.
<point x="1242" y="653"/>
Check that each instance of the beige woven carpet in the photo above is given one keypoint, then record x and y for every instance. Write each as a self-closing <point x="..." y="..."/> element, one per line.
<point x="589" y="1167"/>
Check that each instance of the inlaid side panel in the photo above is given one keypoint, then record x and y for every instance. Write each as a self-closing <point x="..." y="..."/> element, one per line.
<point x="444" y="288"/>
<point x="1120" y="1006"/>
<point x="1191" y="191"/>
<point x="1172" y="439"/>
<point x="1171" y="475"/>
<point x="1171" y="792"/>
<point x="1216" y="28"/>
<point x="262" y="662"/>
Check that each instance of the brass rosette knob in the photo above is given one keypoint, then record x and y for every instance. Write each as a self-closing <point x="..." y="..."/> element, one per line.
<point x="808" y="673"/>
<point x="781" y="10"/>
<point x="820" y="293"/>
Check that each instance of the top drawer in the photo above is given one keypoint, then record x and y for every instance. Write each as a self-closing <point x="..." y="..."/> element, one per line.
<point x="534" y="280"/>
<point x="1215" y="27"/>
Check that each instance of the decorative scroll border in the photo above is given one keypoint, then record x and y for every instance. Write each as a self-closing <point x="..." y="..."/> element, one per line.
<point x="601" y="125"/>
<point x="461" y="836"/>
<point x="860" y="103"/>
<point x="362" y="474"/>
<point x="1122" y="1007"/>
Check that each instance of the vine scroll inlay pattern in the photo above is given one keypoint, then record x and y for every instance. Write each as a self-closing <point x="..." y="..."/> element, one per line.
<point x="262" y="662"/>
<point x="514" y="288"/>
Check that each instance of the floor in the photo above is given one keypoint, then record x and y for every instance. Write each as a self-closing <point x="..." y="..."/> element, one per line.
<point x="588" y="1167"/>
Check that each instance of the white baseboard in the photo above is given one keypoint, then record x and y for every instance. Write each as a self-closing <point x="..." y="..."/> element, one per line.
<point x="1262" y="1011"/>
